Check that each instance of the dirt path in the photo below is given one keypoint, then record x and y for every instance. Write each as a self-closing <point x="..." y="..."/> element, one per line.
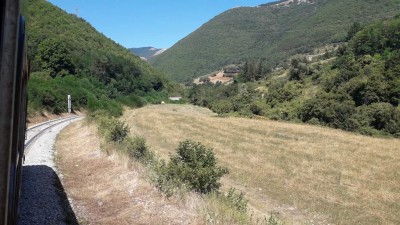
<point x="105" y="191"/>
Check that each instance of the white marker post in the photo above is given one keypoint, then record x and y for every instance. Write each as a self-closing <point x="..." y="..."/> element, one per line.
<point x="69" y="104"/>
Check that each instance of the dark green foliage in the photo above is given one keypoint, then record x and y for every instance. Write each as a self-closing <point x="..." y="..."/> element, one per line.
<point x="118" y="132"/>
<point x="275" y="33"/>
<point x="195" y="165"/>
<point x="62" y="44"/>
<point x="299" y="68"/>
<point x="113" y="129"/>
<point x="379" y="116"/>
<point x="51" y="94"/>
<point x="136" y="148"/>
<point x="54" y="56"/>
<point x="252" y="71"/>
<point x="377" y="38"/>
<point x="359" y="91"/>
<point x="330" y="109"/>
<point x="222" y="106"/>
<point x="362" y="94"/>
<point x="204" y="79"/>
<point x="280" y="92"/>
<point x="353" y="30"/>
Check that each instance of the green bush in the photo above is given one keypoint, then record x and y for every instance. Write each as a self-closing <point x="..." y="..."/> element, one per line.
<point x="299" y="68"/>
<point x="136" y="148"/>
<point x="195" y="166"/>
<point x="329" y="109"/>
<point x="113" y="129"/>
<point x="379" y="116"/>
<point x="222" y="106"/>
<point x="280" y="91"/>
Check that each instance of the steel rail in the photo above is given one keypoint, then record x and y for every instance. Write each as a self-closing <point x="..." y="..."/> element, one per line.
<point x="50" y="121"/>
<point x="34" y="138"/>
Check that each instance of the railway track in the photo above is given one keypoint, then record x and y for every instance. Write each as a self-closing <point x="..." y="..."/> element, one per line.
<point x="34" y="132"/>
<point x="43" y="200"/>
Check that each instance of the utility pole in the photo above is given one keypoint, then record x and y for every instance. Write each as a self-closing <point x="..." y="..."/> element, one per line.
<point x="69" y="104"/>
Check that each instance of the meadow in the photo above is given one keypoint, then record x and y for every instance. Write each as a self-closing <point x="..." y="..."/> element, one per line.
<point x="301" y="173"/>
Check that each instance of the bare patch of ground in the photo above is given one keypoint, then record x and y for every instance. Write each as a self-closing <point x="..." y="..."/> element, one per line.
<point x="105" y="190"/>
<point x="219" y="77"/>
<point x="306" y="174"/>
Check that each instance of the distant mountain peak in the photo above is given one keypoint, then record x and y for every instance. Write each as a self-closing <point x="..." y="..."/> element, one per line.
<point x="285" y="3"/>
<point x="147" y="53"/>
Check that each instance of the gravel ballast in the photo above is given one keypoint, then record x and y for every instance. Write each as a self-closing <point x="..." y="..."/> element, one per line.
<point x="43" y="200"/>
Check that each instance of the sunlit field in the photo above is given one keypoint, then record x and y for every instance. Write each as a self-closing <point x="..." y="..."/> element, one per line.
<point x="300" y="172"/>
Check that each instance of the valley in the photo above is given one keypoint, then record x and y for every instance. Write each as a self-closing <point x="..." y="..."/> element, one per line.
<point x="297" y="99"/>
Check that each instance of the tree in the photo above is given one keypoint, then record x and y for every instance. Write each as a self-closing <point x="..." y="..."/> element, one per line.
<point x="54" y="56"/>
<point x="298" y="68"/>
<point x="353" y="30"/>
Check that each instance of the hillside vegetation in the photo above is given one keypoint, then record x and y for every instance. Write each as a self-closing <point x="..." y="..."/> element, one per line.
<point x="305" y="174"/>
<point x="356" y="91"/>
<point x="68" y="56"/>
<point x="269" y="32"/>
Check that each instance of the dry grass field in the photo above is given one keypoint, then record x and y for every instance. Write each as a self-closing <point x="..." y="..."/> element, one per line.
<point x="109" y="190"/>
<point x="305" y="174"/>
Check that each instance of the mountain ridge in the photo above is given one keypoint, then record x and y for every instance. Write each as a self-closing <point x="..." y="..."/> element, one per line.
<point x="273" y="33"/>
<point x="147" y="53"/>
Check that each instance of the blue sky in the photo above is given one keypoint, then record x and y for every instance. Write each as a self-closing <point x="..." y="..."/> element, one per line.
<point x="142" y="23"/>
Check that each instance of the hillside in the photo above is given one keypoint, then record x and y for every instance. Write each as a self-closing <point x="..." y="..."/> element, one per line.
<point x="355" y="90"/>
<point x="68" y="56"/>
<point x="271" y="32"/>
<point x="147" y="53"/>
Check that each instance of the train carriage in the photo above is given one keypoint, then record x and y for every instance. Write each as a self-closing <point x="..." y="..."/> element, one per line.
<point x="13" y="107"/>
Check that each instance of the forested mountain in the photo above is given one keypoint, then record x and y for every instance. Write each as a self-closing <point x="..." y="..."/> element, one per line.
<point x="68" y="56"/>
<point x="147" y="53"/>
<point x="272" y="32"/>
<point x="357" y="89"/>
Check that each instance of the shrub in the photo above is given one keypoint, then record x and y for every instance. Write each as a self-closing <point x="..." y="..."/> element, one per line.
<point x="222" y="106"/>
<point x="236" y="200"/>
<point x="299" y="68"/>
<point x="113" y="129"/>
<point x="204" y="79"/>
<point x="255" y="109"/>
<point x="334" y="110"/>
<point x="314" y="121"/>
<point x="219" y="209"/>
<point x="273" y="221"/>
<point x="279" y="92"/>
<point x="195" y="166"/>
<point x="380" y="116"/>
<point x="136" y="148"/>
<point x="118" y="131"/>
